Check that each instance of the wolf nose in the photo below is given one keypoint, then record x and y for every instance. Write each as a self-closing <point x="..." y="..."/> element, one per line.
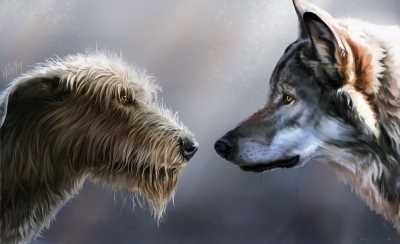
<point x="189" y="147"/>
<point x="223" y="147"/>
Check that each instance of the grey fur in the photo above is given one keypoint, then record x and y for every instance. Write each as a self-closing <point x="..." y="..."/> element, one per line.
<point x="84" y="116"/>
<point x="343" y="76"/>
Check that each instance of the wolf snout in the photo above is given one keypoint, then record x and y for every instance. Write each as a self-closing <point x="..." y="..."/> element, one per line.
<point x="224" y="147"/>
<point x="189" y="147"/>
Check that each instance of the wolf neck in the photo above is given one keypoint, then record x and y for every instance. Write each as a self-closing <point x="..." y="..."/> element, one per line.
<point x="371" y="179"/>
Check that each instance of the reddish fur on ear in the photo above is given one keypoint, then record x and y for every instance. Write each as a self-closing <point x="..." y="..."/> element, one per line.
<point x="356" y="68"/>
<point x="363" y="68"/>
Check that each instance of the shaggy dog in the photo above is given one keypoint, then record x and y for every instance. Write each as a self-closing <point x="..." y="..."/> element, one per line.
<point x="335" y="97"/>
<point x="84" y="116"/>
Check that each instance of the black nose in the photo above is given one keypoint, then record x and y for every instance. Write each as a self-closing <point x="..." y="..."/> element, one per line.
<point x="224" y="148"/>
<point x="189" y="148"/>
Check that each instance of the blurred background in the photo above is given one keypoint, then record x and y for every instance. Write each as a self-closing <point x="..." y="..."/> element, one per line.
<point x="213" y="59"/>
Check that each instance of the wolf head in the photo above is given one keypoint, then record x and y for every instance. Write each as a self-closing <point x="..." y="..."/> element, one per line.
<point x="321" y="101"/>
<point x="92" y="115"/>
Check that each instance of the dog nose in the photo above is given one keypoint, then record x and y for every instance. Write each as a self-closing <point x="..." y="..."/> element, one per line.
<point x="223" y="147"/>
<point x="189" y="147"/>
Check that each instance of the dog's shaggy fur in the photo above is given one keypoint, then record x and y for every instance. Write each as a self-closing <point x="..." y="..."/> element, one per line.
<point x="84" y="116"/>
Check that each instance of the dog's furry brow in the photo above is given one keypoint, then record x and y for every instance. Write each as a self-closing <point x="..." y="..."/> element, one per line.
<point x="92" y="73"/>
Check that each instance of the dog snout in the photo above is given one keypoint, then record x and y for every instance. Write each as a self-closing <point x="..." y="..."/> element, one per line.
<point x="189" y="147"/>
<point x="224" y="147"/>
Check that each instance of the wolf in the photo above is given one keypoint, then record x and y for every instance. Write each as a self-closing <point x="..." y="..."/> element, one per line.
<point x="85" y="116"/>
<point x="334" y="98"/>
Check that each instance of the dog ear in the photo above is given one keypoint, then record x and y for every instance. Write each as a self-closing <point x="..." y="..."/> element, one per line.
<point x="3" y="107"/>
<point x="317" y="25"/>
<point x="27" y="92"/>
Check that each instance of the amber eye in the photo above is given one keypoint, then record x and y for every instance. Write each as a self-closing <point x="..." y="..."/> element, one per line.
<point x="288" y="99"/>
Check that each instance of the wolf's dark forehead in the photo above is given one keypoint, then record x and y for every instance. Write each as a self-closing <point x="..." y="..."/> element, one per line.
<point x="293" y="66"/>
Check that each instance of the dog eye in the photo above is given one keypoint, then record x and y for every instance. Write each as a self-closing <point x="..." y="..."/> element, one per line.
<point x="288" y="99"/>
<point x="125" y="99"/>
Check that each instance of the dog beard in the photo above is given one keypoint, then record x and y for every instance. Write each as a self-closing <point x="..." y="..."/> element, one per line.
<point x="155" y="186"/>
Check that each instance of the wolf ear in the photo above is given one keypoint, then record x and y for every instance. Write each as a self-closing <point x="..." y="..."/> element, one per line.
<point x="27" y="92"/>
<point x="300" y="7"/>
<point x="327" y="44"/>
<point x="318" y="26"/>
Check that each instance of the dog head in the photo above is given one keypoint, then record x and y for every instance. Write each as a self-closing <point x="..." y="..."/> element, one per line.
<point x="321" y="100"/>
<point x="95" y="115"/>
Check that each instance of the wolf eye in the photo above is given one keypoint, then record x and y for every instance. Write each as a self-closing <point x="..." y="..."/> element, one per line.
<point x="288" y="99"/>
